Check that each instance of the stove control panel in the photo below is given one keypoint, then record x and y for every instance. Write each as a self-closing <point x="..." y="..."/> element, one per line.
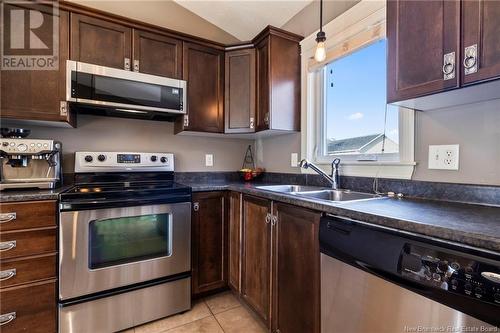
<point x="123" y="162"/>
<point x="456" y="273"/>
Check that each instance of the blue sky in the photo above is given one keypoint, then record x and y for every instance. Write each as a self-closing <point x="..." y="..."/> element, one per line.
<point x="356" y="102"/>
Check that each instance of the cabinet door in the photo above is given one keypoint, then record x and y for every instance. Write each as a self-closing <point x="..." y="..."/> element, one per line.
<point x="203" y="69"/>
<point x="240" y="91"/>
<point x="209" y="263"/>
<point x="420" y="34"/>
<point x="234" y="240"/>
<point x="263" y="79"/>
<point x="481" y="28"/>
<point x="157" y="54"/>
<point x="37" y="94"/>
<point x="100" y="42"/>
<point x="256" y="259"/>
<point x="296" y="291"/>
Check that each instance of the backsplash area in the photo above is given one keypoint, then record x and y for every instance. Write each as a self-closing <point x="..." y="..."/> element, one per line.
<point x="96" y="133"/>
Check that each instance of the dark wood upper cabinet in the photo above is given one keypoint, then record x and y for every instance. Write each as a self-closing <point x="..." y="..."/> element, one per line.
<point x="234" y="247"/>
<point x="278" y="80"/>
<point x="209" y="242"/>
<point x="203" y="69"/>
<point x="240" y="91"/>
<point x="100" y="42"/>
<point x="480" y="40"/>
<point x="157" y="54"/>
<point x="39" y="94"/>
<point x="296" y="294"/>
<point x="256" y="256"/>
<point x="423" y="42"/>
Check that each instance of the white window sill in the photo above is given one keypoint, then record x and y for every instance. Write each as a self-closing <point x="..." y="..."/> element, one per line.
<point x="394" y="170"/>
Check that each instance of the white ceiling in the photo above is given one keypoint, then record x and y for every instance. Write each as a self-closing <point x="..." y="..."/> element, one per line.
<point x="244" y="19"/>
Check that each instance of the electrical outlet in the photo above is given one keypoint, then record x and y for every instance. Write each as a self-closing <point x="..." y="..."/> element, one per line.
<point x="294" y="160"/>
<point x="209" y="160"/>
<point x="444" y="157"/>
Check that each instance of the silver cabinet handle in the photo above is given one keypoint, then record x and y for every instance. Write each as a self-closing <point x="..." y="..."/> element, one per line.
<point x="449" y="66"/>
<point x="266" y="118"/>
<point x="6" y="246"/>
<point x="470" y="59"/>
<point x="7" y="217"/>
<point x="7" y="318"/>
<point x="268" y="218"/>
<point x="7" y="274"/>
<point x="126" y="64"/>
<point x="274" y="220"/>
<point x="252" y="123"/>
<point x="196" y="206"/>
<point x="136" y="65"/>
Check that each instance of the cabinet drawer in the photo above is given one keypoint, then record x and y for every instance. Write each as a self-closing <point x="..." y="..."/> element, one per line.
<point x="27" y="243"/>
<point x="34" y="307"/>
<point x="25" y="215"/>
<point x="27" y="269"/>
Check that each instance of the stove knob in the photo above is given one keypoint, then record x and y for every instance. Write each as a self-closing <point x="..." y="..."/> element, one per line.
<point x="22" y="147"/>
<point x="163" y="159"/>
<point x="443" y="266"/>
<point x="88" y="158"/>
<point x="5" y="144"/>
<point x="101" y="158"/>
<point x="468" y="287"/>
<point x="496" y="297"/>
<point x="154" y="158"/>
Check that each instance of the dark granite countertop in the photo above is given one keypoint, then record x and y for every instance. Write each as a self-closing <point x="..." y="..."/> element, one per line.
<point x="31" y="195"/>
<point x="468" y="224"/>
<point x="474" y="225"/>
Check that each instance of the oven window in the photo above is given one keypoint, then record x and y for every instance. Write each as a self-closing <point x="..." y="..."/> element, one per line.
<point x="123" y="240"/>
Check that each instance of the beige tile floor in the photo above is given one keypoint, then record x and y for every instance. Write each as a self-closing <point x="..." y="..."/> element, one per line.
<point x="220" y="313"/>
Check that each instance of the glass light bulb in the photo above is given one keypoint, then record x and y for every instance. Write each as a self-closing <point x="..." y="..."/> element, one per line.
<point x="320" y="54"/>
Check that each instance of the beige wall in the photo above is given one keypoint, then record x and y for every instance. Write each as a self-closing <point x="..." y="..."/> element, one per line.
<point x="119" y="134"/>
<point x="163" y="13"/>
<point x="475" y="127"/>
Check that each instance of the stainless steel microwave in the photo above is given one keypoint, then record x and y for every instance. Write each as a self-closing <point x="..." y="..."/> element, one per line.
<point x="123" y="91"/>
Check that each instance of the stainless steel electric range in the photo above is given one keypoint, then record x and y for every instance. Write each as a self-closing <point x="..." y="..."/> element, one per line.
<point x="124" y="242"/>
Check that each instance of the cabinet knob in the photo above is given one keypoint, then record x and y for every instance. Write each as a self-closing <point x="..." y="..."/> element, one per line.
<point x="268" y="218"/>
<point x="196" y="206"/>
<point x="136" y="65"/>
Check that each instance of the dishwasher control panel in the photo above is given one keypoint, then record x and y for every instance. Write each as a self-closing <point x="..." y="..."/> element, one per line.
<point x="455" y="273"/>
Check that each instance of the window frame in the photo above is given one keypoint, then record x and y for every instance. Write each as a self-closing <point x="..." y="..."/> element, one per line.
<point x="346" y="34"/>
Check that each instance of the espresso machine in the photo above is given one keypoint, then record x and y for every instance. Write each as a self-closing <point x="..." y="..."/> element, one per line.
<point x="28" y="163"/>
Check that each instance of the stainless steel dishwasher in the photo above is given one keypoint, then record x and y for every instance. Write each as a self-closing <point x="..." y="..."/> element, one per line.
<point x="377" y="279"/>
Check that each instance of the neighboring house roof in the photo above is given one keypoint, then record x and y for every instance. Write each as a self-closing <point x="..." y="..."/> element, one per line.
<point x="357" y="144"/>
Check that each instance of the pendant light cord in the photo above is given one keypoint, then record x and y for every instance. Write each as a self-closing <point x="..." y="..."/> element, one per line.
<point x="320" y="15"/>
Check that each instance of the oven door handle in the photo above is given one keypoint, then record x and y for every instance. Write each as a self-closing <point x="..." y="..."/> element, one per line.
<point x="72" y="205"/>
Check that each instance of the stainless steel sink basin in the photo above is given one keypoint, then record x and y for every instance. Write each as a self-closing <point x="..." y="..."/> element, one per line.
<point x="320" y="193"/>
<point x="337" y="195"/>
<point x="290" y="188"/>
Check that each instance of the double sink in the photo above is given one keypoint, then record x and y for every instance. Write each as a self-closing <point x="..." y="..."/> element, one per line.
<point x="319" y="193"/>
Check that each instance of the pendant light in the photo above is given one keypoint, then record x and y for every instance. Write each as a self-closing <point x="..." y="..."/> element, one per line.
<point x="320" y="54"/>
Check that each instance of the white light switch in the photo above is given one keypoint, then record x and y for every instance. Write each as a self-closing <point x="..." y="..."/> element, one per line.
<point x="294" y="160"/>
<point x="209" y="160"/>
<point x="444" y="157"/>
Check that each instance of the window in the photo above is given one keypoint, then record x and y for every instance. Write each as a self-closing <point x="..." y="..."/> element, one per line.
<point x="344" y="111"/>
<point x="357" y="122"/>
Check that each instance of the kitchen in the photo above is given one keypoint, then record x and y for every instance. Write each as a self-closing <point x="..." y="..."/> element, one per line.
<point x="246" y="166"/>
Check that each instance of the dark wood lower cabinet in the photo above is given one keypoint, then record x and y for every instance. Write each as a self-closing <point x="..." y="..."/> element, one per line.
<point x="34" y="306"/>
<point x="256" y="258"/>
<point x="234" y="205"/>
<point x="209" y="242"/>
<point x="296" y="291"/>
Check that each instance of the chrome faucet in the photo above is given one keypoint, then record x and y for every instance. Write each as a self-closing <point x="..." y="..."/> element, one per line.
<point x="333" y="178"/>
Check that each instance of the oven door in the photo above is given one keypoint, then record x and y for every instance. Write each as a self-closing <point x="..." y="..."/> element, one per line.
<point x="105" y="249"/>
